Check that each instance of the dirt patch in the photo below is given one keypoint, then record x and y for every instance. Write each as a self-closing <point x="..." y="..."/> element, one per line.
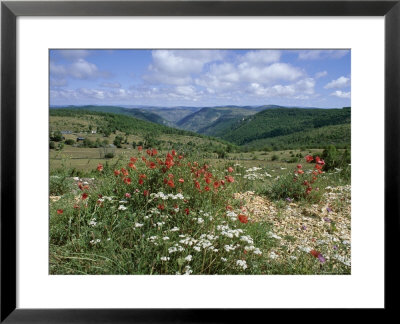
<point x="324" y="227"/>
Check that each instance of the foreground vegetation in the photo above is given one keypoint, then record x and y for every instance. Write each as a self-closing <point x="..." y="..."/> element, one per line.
<point x="166" y="213"/>
<point x="198" y="204"/>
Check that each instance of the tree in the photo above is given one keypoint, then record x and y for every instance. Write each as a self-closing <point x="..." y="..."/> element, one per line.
<point x="57" y="136"/>
<point x="117" y="141"/>
<point x="331" y="157"/>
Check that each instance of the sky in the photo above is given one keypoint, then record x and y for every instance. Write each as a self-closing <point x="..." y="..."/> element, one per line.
<point x="167" y="78"/>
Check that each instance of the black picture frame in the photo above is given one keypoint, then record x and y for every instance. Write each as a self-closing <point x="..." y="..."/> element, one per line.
<point x="10" y="10"/>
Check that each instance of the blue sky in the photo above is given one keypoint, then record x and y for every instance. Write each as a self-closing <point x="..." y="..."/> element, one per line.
<point x="312" y="78"/>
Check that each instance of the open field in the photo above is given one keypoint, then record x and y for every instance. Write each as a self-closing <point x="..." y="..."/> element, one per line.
<point x="86" y="159"/>
<point x="196" y="215"/>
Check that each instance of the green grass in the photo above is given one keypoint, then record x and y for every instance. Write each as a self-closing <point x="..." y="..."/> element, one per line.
<point x="96" y="235"/>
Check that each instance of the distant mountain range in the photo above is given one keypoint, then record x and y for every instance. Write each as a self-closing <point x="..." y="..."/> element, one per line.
<point x="252" y="126"/>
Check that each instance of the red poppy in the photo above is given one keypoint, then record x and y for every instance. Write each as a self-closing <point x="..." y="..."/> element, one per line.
<point x="305" y="183"/>
<point x="197" y="184"/>
<point x="180" y="157"/>
<point x="223" y="182"/>
<point x="187" y="211"/>
<point x="59" y="211"/>
<point x="207" y="180"/>
<point x="229" y="207"/>
<point x="173" y="152"/>
<point x="318" y="167"/>
<point x="216" y="184"/>
<point x="124" y="172"/>
<point x="141" y="181"/>
<point x="161" y="207"/>
<point x="181" y="180"/>
<point x="207" y="188"/>
<point x="128" y="195"/>
<point x="139" y="148"/>
<point x="314" y="253"/>
<point x="84" y="196"/>
<point x="170" y="175"/>
<point x="142" y="176"/>
<point x="230" y="179"/>
<point x="144" y="159"/>
<point x="309" y="158"/>
<point x="116" y="172"/>
<point x="99" y="167"/>
<point x="321" y="162"/>
<point x="300" y="171"/>
<point x="154" y="152"/>
<point x="148" y="152"/>
<point x="145" y="192"/>
<point x="151" y="165"/>
<point x="230" y="169"/>
<point x="171" y="183"/>
<point x="128" y="181"/>
<point x="243" y="218"/>
<point x="299" y="166"/>
<point x="133" y="159"/>
<point x="132" y="165"/>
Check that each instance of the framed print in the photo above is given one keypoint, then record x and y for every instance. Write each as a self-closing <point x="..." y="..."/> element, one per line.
<point x="251" y="145"/>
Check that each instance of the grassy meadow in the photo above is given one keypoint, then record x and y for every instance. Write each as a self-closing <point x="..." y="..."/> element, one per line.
<point x="172" y="202"/>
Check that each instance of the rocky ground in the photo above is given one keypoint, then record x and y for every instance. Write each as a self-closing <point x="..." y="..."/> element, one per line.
<point x="323" y="227"/>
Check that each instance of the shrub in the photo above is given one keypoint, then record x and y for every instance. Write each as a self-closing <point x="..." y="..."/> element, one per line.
<point x="334" y="160"/>
<point x="221" y="154"/>
<point x="52" y="145"/>
<point x="56" y="137"/>
<point x="297" y="185"/>
<point x="117" y="141"/>
<point x="274" y="157"/>
<point x="58" y="185"/>
<point x="69" y="142"/>
<point x="109" y="155"/>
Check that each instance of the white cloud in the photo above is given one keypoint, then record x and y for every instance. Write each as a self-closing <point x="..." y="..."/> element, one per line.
<point x="227" y="76"/>
<point x="185" y="90"/>
<point x="261" y="57"/>
<point x="321" y="54"/>
<point x="176" y="67"/>
<point x="299" y="90"/>
<point x="320" y="74"/>
<point x="341" y="94"/>
<point x="276" y="71"/>
<point x="157" y="78"/>
<point x="73" y="54"/>
<point x="79" y="69"/>
<point x="55" y="82"/>
<point x="82" y="69"/>
<point x="57" y="70"/>
<point x="341" y="82"/>
<point x="182" y="62"/>
<point x="110" y="84"/>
